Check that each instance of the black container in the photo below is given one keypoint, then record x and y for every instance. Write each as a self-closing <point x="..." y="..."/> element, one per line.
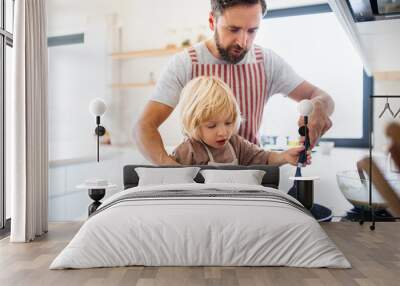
<point x="305" y="192"/>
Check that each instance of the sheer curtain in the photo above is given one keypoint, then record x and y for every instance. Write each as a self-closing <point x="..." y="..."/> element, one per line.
<point x="27" y="122"/>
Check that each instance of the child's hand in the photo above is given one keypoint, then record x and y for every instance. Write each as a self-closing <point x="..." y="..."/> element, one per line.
<point x="291" y="155"/>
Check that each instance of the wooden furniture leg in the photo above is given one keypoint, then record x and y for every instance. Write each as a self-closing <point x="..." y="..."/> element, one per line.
<point x="393" y="132"/>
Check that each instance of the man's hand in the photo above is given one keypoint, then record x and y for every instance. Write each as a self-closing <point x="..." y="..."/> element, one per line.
<point x="318" y="124"/>
<point x="318" y="121"/>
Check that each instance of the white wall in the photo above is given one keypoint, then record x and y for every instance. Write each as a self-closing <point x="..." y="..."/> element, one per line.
<point x="79" y="73"/>
<point x="112" y="26"/>
<point x="150" y="25"/>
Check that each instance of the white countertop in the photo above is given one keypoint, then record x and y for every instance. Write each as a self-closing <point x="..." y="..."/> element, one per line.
<point x="67" y="153"/>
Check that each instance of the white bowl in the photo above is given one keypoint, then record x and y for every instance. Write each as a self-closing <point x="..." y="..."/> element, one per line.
<point x="356" y="190"/>
<point x="326" y="147"/>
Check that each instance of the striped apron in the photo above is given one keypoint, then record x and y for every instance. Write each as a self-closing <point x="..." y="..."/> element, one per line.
<point x="249" y="85"/>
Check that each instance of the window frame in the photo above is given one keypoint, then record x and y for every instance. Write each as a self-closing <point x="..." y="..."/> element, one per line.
<point x="362" y="142"/>
<point x="6" y="39"/>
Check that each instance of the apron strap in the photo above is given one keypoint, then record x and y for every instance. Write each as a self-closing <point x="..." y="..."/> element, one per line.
<point x="208" y="152"/>
<point x="232" y="151"/>
<point x="259" y="54"/>
<point x="230" y="148"/>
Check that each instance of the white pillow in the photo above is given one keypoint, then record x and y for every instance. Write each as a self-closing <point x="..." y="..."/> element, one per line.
<point x="164" y="176"/>
<point x="248" y="177"/>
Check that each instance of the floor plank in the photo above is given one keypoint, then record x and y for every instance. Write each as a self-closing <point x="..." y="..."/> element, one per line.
<point x="374" y="255"/>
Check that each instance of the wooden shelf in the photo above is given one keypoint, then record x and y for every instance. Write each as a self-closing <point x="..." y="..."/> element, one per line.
<point x="145" y="53"/>
<point x="389" y="75"/>
<point x="132" y="85"/>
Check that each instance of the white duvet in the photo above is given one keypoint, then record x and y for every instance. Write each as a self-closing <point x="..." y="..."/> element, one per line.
<point x="200" y="231"/>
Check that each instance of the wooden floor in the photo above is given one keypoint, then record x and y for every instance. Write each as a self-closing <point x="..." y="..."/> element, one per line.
<point x="374" y="255"/>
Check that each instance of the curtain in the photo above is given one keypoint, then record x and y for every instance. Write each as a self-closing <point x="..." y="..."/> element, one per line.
<point x="28" y="148"/>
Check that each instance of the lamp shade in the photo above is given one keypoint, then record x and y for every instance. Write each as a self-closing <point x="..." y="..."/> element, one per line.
<point x="305" y="107"/>
<point x="97" y="107"/>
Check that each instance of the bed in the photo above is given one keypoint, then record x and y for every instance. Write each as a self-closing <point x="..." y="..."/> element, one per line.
<point x="201" y="224"/>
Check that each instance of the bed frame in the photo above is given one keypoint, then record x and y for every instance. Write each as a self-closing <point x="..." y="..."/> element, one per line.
<point x="270" y="179"/>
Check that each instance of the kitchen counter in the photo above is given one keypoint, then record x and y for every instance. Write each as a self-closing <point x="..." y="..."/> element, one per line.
<point x="70" y="153"/>
<point x="73" y="153"/>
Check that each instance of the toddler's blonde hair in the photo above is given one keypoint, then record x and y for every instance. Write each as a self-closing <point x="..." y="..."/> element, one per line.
<point x="203" y="98"/>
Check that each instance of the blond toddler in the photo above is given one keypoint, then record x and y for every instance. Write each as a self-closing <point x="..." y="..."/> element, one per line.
<point x="210" y="118"/>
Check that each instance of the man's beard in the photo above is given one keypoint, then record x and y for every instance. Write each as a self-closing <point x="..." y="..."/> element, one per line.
<point x="227" y="54"/>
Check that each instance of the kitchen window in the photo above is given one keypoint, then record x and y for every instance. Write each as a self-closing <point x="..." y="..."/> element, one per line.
<point x="313" y="42"/>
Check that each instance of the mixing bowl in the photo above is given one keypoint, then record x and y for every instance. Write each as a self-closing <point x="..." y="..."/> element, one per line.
<point x="356" y="190"/>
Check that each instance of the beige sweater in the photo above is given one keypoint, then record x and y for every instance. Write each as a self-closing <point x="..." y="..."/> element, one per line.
<point x="193" y="152"/>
